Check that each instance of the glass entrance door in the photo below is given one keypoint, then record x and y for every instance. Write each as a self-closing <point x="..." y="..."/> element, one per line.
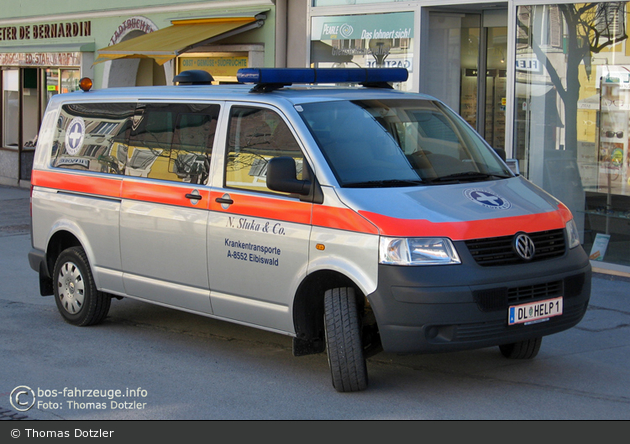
<point x="466" y="68"/>
<point x="495" y="49"/>
<point x="483" y="98"/>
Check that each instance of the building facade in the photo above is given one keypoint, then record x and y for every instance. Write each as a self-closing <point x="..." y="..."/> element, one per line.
<point x="46" y="48"/>
<point x="548" y="82"/>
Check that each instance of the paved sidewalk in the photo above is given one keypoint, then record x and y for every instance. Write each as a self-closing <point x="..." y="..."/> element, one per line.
<point x="593" y="356"/>
<point x="14" y="211"/>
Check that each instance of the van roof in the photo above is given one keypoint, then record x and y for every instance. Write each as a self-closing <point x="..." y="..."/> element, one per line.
<point x="265" y="85"/>
<point x="294" y="94"/>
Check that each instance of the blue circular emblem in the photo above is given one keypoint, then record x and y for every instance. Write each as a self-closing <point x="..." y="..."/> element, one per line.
<point x="487" y="199"/>
<point x="75" y="133"/>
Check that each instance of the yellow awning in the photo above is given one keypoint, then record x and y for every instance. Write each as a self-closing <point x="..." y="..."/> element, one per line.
<point x="167" y="43"/>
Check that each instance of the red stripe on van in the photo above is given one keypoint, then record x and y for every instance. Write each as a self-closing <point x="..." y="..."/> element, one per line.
<point x="476" y="229"/>
<point x="80" y="183"/>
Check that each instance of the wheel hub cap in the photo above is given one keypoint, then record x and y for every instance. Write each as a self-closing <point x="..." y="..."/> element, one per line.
<point x="71" y="288"/>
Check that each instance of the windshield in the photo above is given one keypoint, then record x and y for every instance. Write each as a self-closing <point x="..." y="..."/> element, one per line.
<point x="399" y="142"/>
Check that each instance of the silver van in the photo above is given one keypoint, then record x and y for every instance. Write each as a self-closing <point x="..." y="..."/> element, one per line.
<point x="353" y="218"/>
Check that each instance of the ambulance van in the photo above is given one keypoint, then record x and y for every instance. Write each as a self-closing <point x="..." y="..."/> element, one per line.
<point x="317" y="203"/>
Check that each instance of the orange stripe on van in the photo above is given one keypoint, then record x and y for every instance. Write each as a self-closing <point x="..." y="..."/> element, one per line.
<point x="164" y="193"/>
<point x="293" y="211"/>
<point x="342" y="219"/>
<point x="263" y="207"/>
<point x="467" y="230"/>
<point x="80" y="183"/>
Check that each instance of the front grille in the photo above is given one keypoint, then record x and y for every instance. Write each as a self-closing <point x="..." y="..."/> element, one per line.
<point x="528" y="293"/>
<point x="488" y="330"/>
<point x="499" y="251"/>
<point x="500" y="298"/>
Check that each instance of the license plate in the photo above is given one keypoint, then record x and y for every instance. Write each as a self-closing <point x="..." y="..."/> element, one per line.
<point x="534" y="311"/>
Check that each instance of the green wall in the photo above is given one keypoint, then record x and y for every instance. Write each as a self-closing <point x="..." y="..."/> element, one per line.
<point x="105" y="21"/>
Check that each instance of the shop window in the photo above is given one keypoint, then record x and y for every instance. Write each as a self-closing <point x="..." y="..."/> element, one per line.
<point x="572" y="116"/>
<point x="609" y="20"/>
<point x="51" y="82"/>
<point x="10" y="107"/>
<point x="367" y="40"/>
<point x="30" y="106"/>
<point x="69" y="80"/>
<point x="59" y="81"/>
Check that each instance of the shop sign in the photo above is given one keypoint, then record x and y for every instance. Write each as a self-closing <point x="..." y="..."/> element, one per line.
<point x="396" y="62"/>
<point x="615" y="75"/>
<point x="528" y="64"/>
<point x="217" y="66"/>
<point x="363" y="27"/>
<point x="41" y="59"/>
<point x="46" y="31"/>
<point x="136" y="23"/>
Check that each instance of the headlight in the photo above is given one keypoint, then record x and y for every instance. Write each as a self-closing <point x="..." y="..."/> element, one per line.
<point x="417" y="251"/>
<point x="573" y="237"/>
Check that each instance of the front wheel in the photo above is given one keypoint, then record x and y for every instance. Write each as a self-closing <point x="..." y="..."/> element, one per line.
<point x="342" y="325"/>
<point x="77" y="298"/>
<point x="521" y="350"/>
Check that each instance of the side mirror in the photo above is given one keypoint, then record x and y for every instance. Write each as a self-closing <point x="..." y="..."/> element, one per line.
<point x="513" y="164"/>
<point x="501" y="153"/>
<point x="282" y="176"/>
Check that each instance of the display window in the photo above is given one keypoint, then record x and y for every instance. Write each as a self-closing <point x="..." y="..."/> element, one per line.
<point x="365" y="41"/>
<point x="572" y="116"/>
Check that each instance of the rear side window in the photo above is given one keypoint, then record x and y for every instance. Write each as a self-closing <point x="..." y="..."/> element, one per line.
<point x="159" y="141"/>
<point x="172" y="142"/>
<point x="93" y="137"/>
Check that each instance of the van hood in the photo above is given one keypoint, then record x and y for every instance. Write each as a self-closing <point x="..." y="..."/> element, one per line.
<point x="461" y="211"/>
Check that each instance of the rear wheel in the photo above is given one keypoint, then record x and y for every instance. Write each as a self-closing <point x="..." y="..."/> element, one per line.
<point x="521" y="350"/>
<point x="77" y="298"/>
<point x="342" y="323"/>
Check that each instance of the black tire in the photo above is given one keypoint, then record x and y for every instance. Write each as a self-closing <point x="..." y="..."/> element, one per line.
<point x="521" y="350"/>
<point x="342" y="324"/>
<point x="77" y="298"/>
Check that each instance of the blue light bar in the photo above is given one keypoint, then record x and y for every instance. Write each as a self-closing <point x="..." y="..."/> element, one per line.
<point x="288" y="76"/>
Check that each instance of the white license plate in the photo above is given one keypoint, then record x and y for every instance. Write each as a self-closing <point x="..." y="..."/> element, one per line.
<point x="534" y="311"/>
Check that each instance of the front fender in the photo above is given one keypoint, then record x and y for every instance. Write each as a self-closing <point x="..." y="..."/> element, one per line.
<point x="354" y="255"/>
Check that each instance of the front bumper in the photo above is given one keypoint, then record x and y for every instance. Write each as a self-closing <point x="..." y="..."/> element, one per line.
<point x="457" y="307"/>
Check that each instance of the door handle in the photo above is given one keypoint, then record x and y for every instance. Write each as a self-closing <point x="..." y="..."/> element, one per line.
<point x="193" y="196"/>
<point x="225" y="201"/>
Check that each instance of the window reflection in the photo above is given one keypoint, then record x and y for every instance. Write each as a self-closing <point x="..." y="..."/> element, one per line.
<point x="573" y="116"/>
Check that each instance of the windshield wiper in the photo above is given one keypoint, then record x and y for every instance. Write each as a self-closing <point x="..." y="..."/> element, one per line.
<point x="384" y="183"/>
<point x="468" y="176"/>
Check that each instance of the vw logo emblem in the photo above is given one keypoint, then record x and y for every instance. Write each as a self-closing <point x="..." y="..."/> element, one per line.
<point x="524" y="246"/>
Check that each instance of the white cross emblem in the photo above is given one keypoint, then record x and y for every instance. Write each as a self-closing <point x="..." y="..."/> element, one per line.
<point x="75" y="135"/>
<point x="487" y="199"/>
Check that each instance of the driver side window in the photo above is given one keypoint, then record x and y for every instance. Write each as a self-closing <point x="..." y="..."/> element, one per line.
<point x="256" y="135"/>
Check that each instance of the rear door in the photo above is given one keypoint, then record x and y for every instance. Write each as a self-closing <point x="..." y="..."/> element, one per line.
<point x="164" y="213"/>
<point x="257" y="239"/>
